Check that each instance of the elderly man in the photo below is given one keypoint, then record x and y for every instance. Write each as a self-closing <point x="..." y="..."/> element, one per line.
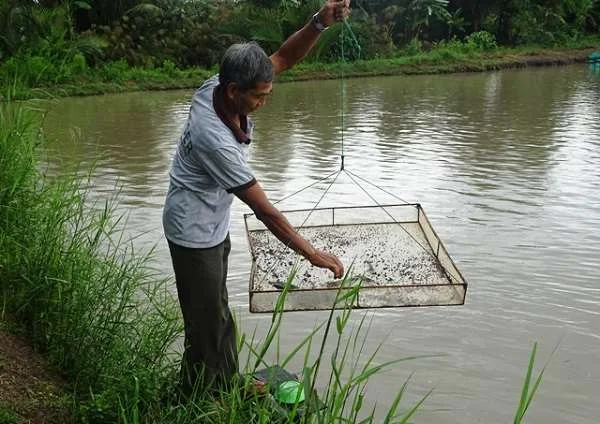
<point x="208" y="169"/>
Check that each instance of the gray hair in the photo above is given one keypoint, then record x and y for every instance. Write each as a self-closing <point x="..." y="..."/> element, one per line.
<point x="245" y="64"/>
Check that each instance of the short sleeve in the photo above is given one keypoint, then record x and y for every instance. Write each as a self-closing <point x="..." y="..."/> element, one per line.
<point x="228" y="168"/>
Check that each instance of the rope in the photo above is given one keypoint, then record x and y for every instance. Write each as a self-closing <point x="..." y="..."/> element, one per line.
<point x="345" y="27"/>
<point x="320" y="199"/>
<point x="380" y="188"/>
<point x="342" y="94"/>
<point x="287" y="245"/>
<point x="428" y="251"/>
<point x="388" y="214"/>
<point x="354" y="38"/>
<point x="304" y="188"/>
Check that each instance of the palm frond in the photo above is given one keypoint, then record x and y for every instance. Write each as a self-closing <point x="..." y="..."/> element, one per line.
<point x="91" y="46"/>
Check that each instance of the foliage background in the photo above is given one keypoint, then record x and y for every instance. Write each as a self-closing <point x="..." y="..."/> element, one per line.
<point x="50" y="42"/>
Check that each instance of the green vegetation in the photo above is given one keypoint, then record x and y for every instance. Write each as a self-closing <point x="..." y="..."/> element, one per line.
<point x="91" y="305"/>
<point x="527" y="393"/>
<point x="7" y="416"/>
<point x="95" y="46"/>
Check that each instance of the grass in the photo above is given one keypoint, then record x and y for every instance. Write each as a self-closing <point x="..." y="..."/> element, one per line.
<point x="447" y="59"/>
<point x="346" y="378"/>
<point x="7" y="416"/>
<point x="38" y="79"/>
<point x="530" y="385"/>
<point x="96" y="308"/>
<point x="83" y="295"/>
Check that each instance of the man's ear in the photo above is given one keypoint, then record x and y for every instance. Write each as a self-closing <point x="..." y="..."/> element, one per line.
<point x="231" y="90"/>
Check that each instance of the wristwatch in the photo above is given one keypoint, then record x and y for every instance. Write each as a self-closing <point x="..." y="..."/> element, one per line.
<point x="317" y="23"/>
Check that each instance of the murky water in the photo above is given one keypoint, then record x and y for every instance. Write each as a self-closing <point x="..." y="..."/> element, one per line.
<point x="506" y="166"/>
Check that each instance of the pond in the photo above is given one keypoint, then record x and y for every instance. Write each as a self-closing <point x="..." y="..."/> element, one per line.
<point x="506" y="166"/>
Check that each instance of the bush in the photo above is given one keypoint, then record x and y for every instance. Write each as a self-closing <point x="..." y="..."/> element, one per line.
<point x="169" y="68"/>
<point x="454" y="45"/>
<point x="114" y="71"/>
<point x="482" y="40"/>
<point x="535" y="23"/>
<point x="414" y="47"/>
<point x="346" y="45"/>
<point x="33" y="71"/>
<point x="329" y="48"/>
<point x="375" y="40"/>
<point x="79" y="64"/>
<point x="186" y="33"/>
<point x="531" y="27"/>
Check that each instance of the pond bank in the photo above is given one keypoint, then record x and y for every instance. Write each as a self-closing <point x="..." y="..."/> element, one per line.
<point x="437" y="61"/>
<point x="30" y="390"/>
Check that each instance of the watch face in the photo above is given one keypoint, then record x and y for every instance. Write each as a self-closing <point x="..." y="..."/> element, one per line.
<point x="317" y="22"/>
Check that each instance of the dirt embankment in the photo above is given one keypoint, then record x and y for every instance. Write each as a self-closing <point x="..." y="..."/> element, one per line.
<point x="549" y="58"/>
<point x="30" y="392"/>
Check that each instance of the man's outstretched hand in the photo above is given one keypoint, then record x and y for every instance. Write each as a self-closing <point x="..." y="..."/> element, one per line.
<point x="327" y="260"/>
<point x="334" y="11"/>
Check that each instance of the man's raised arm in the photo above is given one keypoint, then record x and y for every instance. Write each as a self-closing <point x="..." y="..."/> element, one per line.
<point x="299" y="44"/>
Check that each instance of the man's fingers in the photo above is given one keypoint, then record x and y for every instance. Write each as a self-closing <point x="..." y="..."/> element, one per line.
<point x="339" y="264"/>
<point x="337" y="271"/>
<point x="338" y="267"/>
<point x="335" y="11"/>
<point x="341" y="9"/>
<point x="329" y="261"/>
<point x="341" y="3"/>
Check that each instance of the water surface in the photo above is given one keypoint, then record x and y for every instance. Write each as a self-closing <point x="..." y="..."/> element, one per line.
<point x="505" y="164"/>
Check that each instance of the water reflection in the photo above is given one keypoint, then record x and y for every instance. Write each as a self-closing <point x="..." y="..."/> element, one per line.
<point x="506" y="166"/>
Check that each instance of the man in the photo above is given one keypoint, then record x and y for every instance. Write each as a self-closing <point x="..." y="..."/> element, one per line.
<point x="210" y="167"/>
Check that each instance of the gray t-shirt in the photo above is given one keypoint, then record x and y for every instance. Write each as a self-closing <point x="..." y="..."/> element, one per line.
<point x="209" y="165"/>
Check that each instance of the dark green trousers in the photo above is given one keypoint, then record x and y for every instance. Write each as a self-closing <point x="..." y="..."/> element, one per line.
<point x="210" y="355"/>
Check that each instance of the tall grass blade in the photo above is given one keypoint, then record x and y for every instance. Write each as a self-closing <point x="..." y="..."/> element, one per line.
<point x="392" y="410"/>
<point x="413" y="410"/>
<point x="527" y="394"/>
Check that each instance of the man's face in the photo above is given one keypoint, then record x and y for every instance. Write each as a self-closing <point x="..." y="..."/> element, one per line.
<point x="250" y="100"/>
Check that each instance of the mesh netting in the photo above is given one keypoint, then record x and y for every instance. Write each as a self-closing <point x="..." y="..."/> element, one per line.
<point x="392" y="250"/>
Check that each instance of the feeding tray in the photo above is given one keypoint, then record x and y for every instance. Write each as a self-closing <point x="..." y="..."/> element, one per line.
<point x="392" y="249"/>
